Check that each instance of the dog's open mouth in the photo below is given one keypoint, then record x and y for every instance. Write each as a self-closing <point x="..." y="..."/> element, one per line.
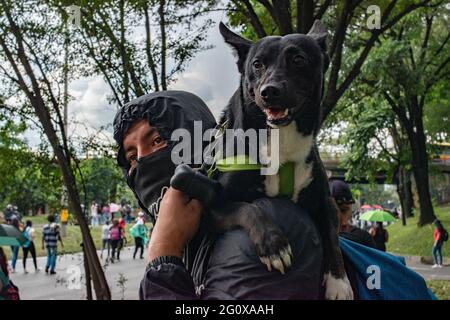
<point x="277" y="116"/>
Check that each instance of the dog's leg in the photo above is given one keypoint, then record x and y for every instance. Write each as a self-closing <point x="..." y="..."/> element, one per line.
<point x="315" y="199"/>
<point x="271" y="245"/>
<point x="337" y="285"/>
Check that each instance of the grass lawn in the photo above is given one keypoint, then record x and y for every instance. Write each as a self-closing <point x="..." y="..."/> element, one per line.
<point x="412" y="240"/>
<point x="441" y="288"/>
<point x="71" y="242"/>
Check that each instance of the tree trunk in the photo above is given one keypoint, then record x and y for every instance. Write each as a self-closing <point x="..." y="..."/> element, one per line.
<point x="409" y="201"/>
<point x="417" y="142"/>
<point x="404" y="193"/>
<point x="162" y="26"/>
<point x="61" y="151"/>
<point x="148" y="48"/>
<point x="305" y="15"/>
<point x="400" y="192"/>
<point x="87" y="272"/>
<point x="123" y="53"/>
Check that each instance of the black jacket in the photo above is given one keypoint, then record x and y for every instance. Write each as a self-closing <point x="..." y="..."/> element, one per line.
<point x="227" y="267"/>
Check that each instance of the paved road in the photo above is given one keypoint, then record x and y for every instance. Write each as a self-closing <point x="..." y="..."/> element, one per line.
<point x="40" y="286"/>
<point x="426" y="271"/>
<point x="45" y="287"/>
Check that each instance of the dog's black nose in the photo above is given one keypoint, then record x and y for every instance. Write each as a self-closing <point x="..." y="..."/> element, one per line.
<point x="270" y="91"/>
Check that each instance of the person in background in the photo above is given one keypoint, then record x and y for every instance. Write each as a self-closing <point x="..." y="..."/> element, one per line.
<point x="438" y="241"/>
<point x="379" y="235"/>
<point x="343" y="197"/>
<point x="100" y="214"/>
<point x="105" y="240"/>
<point x="8" y="291"/>
<point x="50" y="237"/>
<point x="139" y="233"/>
<point x="122" y="221"/>
<point x="94" y="214"/>
<point x="64" y="218"/>
<point x="115" y="237"/>
<point x="127" y="210"/>
<point x="140" y="217"/>
<point x="15" y="249"/>
<point x="123" y="239"/>
<point x="30" y="234"/>
<point x="105" y="213"/>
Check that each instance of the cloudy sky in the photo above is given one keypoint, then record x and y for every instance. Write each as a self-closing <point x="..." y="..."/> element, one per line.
<point x="212" y="75"/>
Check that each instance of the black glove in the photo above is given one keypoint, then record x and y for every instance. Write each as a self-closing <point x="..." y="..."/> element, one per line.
<point x="196" y="185"/>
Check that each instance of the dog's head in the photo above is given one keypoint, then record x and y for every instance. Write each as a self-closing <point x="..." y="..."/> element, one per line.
<point x="283" y="75"/>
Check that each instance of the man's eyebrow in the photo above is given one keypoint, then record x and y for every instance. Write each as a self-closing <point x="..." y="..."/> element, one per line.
<point x="151" y="131"/>
<point x="129" y="148"/>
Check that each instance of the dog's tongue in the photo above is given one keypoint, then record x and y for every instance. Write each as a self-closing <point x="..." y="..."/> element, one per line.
<point x="275" y="114"/>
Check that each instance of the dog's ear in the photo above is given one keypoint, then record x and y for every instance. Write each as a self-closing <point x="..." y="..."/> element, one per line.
<point x="319" y="32"/>
<point x="239" y="44"/>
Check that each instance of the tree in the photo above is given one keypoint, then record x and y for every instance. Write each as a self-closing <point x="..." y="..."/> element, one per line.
<point x="29" y="179"/>
<point x="118" y="40"/>
<point x="376" y="144"/>
<point x="413" y="59"/>
<point x="31" y="40"/>
<point x="102" y="180"/>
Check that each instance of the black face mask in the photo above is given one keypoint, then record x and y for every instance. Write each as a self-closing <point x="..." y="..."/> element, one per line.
<point x="151" y="177"/>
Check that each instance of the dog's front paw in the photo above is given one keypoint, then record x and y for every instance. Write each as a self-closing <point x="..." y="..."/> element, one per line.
<point x="272" y="247"/>
<point x="337" y="288"/>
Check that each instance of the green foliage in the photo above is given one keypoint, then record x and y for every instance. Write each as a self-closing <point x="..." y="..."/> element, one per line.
<point x="437" y="113"/>
<point x="104" y="182"/>
<point x="28" y="178"/>
<point x="414" y="240"/>
<point x="404" y="66"/>
<point x="441" y="288"/>
<point x="374" y="194"/>
<point x="367" y="156"/>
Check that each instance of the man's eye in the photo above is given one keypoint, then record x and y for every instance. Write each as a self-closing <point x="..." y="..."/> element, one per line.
<point x="132" y="158"/>
<point x="157" y="141"/>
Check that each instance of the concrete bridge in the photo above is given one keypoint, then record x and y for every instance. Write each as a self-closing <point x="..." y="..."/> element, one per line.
<point x="333" y="165"/>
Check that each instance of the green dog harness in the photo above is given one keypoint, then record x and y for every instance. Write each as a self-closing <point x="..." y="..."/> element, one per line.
<point x="244" y="163"/>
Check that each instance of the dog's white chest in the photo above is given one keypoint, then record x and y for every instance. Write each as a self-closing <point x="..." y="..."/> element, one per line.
<point x="295" y="147"/>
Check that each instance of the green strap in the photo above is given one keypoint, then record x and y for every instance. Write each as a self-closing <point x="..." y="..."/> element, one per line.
<point x="244" y="163"/>
<point x="286" y="184"/>
<point x="236" y="163"/>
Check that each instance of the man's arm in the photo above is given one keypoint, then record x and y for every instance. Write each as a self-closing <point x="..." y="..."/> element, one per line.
<point x="43" y="241"/>
<point x="166" y="276"/>
<point x="60" y="240"/>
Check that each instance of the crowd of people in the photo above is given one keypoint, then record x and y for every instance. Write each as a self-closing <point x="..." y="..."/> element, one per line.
<point x="374" y="234"/>
<point x="113" y="239"/>
<point x="113" y="231"/>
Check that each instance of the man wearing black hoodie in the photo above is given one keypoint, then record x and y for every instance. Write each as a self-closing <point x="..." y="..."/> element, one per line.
<point x="187" y="260"/>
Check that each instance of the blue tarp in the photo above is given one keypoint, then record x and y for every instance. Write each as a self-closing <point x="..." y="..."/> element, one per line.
<point x="383" y="276"/>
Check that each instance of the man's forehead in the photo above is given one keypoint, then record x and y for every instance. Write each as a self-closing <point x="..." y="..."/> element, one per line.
<point x="137" y="129"/>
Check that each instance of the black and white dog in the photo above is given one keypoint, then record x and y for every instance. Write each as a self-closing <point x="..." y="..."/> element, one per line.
<point x="281" y="87"/>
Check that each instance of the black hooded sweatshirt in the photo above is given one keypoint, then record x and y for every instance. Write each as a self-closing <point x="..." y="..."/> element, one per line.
<point x="221" y="266"/>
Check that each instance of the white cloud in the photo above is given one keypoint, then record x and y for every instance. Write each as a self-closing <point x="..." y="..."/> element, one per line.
<point x="212" y="75"/>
